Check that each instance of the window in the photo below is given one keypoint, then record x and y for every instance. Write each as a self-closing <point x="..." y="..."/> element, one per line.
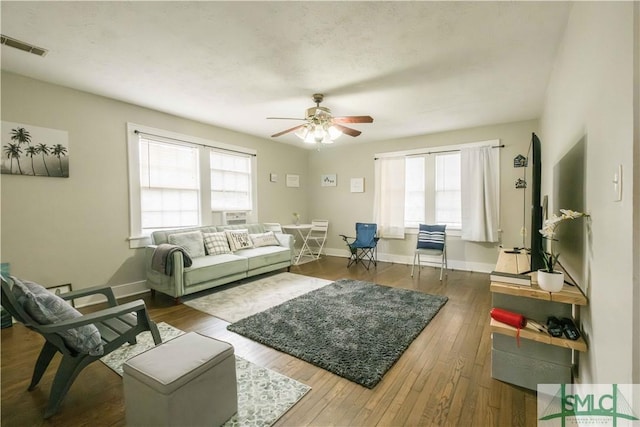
<point x="414" y="191"/>
<point x="433" y="188"/>
<point x="447" y="201"/>
<point x="434" y="198"/>
<point x="230" y="181"/>
<point x="169" y="185"/>
<point x="179" y="181"/>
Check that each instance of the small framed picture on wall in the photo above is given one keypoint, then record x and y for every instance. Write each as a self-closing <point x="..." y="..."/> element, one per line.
<point x="293" y="180"/>
<point x="329" y="180"/>
<point x="357" y="185"/>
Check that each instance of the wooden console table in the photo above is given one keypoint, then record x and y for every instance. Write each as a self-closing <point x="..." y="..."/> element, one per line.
<point x="540" y="358"/>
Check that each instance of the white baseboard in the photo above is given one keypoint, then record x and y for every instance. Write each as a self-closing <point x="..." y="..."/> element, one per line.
<point x="408" y="259"/>
<point x="140" y="287"/>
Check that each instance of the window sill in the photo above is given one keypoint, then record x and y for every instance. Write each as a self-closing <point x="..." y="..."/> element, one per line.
<point x="136" y="242"/>
<point x="449" y="231"/>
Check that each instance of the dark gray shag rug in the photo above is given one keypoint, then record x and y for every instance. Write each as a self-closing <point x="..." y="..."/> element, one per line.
<point x="352" y="328"/>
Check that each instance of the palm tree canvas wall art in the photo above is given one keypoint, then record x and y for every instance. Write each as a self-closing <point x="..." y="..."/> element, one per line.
<point x="34" y="151"/>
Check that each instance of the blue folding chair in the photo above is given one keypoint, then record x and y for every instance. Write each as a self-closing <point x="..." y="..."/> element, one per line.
<point x="363" y="247"/>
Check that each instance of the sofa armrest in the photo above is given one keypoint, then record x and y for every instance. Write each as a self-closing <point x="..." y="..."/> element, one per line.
<point x="285" y="240"/>
<point x="171" y="285"/>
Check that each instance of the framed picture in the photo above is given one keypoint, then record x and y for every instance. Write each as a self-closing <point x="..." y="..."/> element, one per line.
<point x="34" y="151"/>
<point x="293" y="180"/>
<point x="329" y="180"/>
<point x="62" y="289"/>
<point x="357" y="185"/>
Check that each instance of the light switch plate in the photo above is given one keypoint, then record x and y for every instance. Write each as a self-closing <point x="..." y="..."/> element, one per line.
<point x="617" y="184"/>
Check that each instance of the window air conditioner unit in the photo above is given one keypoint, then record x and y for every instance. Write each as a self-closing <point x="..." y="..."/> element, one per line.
<point x="234" y="218"/>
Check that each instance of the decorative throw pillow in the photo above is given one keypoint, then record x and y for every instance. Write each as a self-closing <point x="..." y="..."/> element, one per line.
<point x="238" y="239"/>
<point x="216" y="243"/>
<point x="190" y="241"/>
<point x="47" y="308"/>
<point x="264" y="239"/>
<point x="431" y="236"/>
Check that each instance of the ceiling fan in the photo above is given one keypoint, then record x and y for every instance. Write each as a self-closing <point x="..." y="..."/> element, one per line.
<point x="321" y="126"/>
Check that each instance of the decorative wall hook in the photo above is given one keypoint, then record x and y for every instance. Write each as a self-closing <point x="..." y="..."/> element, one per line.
<point x="520" y="161"/>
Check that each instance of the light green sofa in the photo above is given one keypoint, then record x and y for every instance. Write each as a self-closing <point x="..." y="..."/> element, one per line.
<point x="214" y="270"/>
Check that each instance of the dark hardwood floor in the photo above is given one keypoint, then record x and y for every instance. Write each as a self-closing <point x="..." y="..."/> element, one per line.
<point x="444" y="377"/>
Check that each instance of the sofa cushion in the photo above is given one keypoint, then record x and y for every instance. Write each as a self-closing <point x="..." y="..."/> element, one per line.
<point x="238" y="239"/>
<point x="47" y="308"/>
<point x="191" y="241"/>
<point x="162" y="236"/>
<point x="213" y="267"/>
<point x="216" y="243"/>
<point x="264" y="239"/>
<point x="265" y="255"/>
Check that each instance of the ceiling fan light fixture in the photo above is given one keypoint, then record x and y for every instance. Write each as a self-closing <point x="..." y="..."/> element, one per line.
<point x="320" y="127"/>
<point x="302" y="132"/>
<point x="327" y="140"/>
<point x="334" y="133"/>
<point x="319" y="133"/>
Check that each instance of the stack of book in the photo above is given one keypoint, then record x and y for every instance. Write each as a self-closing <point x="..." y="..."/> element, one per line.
<point x="514" y="279"/>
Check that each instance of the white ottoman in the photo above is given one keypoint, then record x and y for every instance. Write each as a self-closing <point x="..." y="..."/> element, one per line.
<point x="187" y="381"/>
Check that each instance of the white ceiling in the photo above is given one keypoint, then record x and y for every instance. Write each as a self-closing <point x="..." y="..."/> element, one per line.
<point x="415" y="67"/>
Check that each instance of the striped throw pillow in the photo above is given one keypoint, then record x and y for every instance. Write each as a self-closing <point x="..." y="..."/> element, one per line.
<point x="431" y="236"/>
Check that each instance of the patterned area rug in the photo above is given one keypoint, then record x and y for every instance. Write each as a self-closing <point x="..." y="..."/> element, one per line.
<point x="248" y="298"/>
<point x="352" y="328"/>
<point x="263" y="395"/>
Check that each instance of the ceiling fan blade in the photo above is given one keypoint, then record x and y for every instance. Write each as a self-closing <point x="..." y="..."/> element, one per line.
<point x="353" y="119"/>
<point x="287" y="131"/>
<point x="346" y="130"/>
<point x="284" y="118"/>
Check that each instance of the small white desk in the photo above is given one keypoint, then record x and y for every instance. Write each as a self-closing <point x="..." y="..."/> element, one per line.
<point x="303" y="231"/>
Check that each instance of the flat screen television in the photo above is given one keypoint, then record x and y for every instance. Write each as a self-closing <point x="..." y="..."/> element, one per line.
<point x="569" y="175"/>
<point x="535" y="157"/>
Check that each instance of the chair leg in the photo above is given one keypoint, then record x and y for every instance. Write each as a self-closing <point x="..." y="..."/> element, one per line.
<point x="155" y="333"/>
<point x="413" y="266"/>
<point x="353" y="258"/>
<point x="67" y="372"/>
<point x="441" y="266"/>
<point x="46" y="354"/>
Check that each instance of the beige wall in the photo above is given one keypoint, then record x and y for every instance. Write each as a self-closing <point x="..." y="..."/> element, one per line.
<point x="591" y="94"/>
<point x="343" y="208"/>
<point x="75" y="230"/>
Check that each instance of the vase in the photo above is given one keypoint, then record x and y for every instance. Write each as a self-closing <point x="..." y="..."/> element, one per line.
<point x="550" y="282"/>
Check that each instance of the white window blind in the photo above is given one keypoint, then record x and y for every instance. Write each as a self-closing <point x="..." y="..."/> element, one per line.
<point x="230" y="181"/>
<point x="447" y="189"/>
<point x="169" y="185"/>
<point x="414" y="205"/>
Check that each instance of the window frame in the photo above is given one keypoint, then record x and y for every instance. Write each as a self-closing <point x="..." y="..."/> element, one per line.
<point x="139" y="239"/>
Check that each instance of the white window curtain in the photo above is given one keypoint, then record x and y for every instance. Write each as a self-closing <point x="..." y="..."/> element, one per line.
<point x="480" y="189"/>
<point x="390" y="185"/>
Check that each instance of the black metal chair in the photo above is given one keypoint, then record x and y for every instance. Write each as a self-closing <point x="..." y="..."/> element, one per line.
<point x="117" y="325"/>
<point x="363" y="247"/>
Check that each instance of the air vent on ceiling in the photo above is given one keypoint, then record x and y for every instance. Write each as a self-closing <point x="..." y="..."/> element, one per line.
<point x="11" y="42"/>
